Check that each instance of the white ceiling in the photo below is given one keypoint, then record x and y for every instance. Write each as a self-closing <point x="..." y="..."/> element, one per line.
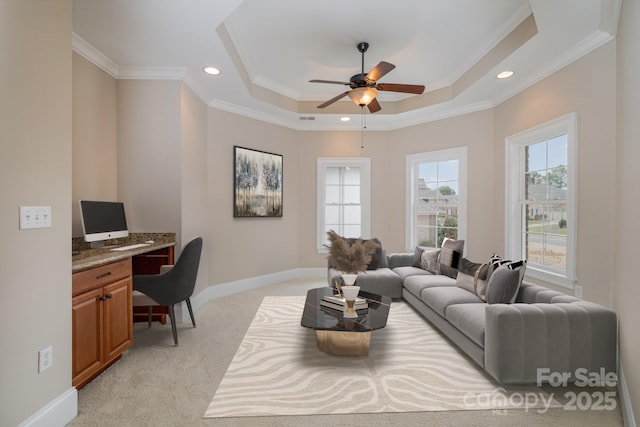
<point x="269" y="50"/>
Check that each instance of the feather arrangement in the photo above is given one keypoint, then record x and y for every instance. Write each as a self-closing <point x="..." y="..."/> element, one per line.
<point x="350" y="257"/>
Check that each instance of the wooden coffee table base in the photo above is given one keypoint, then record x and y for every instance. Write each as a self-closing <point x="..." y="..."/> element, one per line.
<point x="344" y="343"/>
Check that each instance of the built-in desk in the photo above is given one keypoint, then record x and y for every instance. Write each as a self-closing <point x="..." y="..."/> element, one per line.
<point x="102" y="309"/>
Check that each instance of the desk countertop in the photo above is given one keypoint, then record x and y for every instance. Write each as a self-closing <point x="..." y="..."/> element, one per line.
<point x="84" y="257"/>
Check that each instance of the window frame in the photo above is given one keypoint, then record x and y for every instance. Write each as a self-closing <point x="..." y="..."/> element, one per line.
<point x="412" y="163"/>
<point x="515" y="193"/>
<point x="364" y="163"/>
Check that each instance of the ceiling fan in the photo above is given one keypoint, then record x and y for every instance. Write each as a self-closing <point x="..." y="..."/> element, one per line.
<point x="364" y="87"/>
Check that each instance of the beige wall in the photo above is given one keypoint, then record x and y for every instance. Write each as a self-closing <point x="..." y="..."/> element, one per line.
<point x="627" y="208"/>
<point x="241" y="248"/>
<point x="95" y="156"/>
<point x="194" y="194"/>
<point x="35" y="169"/>
<point x="149" y="154"/>
<point x="388" y="152"/>
<point x="587" y="87"/>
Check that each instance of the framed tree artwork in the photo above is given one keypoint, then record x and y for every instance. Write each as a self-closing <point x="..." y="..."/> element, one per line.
<point x="257" y="183"/>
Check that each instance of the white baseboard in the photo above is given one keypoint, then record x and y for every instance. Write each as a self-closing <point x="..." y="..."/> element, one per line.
<point x="625" y="400"/>
<point x="230" y="288"/>
<point x="59" y="412"/>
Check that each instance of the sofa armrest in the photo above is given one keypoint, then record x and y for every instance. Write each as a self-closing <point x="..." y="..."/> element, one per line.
<point x="520" y="339"/>
<point x="400" y="260"/>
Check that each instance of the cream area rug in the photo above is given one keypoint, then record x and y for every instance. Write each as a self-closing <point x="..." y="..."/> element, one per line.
<point x="278" y="370"/>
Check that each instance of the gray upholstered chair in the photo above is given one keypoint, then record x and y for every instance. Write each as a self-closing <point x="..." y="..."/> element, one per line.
<point x="173" y="285"/>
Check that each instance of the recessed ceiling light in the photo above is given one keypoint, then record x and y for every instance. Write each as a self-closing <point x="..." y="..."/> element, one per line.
<point x="211" y="70"/>
<point x="345" y="119"/>
<point x="505" y="74"/>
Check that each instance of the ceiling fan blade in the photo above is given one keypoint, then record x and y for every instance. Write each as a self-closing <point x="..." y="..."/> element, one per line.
<point x="374" y="106"/>
<point x="380" y="70"/>
<point x="330" y="82"/>
<point x="395" y="87"/>
<point x="332" y="100"/>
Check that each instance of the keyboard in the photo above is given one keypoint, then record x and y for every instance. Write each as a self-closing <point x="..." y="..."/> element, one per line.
<point x="126" y="248"/>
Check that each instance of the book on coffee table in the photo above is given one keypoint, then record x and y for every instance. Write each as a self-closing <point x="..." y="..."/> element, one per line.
<point x="338" y="303"/>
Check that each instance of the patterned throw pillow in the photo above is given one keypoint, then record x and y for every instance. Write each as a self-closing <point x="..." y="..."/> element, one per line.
<point x="450" y="256"/>
<point x="429" y="260"/>
<point x="503" y="286"/>
<point x="506" y="284"/>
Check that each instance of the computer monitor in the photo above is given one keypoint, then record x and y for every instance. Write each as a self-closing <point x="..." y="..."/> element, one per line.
<point x="102" y="221"/>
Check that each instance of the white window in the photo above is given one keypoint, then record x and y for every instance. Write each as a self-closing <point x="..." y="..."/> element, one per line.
<point x="540" y="201"/>
<point x="436" y="196"/>
<point x="344" y="199"/>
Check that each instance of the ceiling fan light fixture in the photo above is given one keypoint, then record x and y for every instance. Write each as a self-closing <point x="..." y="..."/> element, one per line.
<point x="362" y="96"/>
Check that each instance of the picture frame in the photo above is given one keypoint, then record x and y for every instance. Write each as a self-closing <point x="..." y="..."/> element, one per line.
<point x="258" y="178"/>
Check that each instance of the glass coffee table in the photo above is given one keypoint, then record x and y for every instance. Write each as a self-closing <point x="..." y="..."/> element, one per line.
<point x="344" y="336"/>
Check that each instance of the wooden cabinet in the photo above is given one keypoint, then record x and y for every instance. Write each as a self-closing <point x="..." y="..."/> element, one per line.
<point x="102" y="321"/>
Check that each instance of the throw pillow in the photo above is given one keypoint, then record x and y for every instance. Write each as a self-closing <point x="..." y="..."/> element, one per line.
<point x="503" y="286"/>
<point x="466" y="274"/>
<point x="494" y="262"/>
<point x="417" y="255"/>
<point x="450" y="255"/>
<point x="429" y="260"/>
<point x="480" y="281"/>
<point x="465" y="282"/>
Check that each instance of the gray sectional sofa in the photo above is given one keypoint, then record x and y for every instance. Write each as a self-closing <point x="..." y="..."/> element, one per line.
<point x="541" y="329"/>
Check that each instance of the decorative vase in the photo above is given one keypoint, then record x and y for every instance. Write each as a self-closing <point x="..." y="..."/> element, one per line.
<point x="350" y="294"/>
<point x="349" y="279"/>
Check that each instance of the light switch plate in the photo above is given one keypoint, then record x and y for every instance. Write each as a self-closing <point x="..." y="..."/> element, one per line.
<point x="35" y="217"/>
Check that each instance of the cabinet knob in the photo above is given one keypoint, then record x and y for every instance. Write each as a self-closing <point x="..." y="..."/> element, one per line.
<point x="106" y="297"/>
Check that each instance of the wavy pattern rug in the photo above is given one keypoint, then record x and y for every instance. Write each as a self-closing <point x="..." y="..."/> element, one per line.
<point x="278" y="370"/>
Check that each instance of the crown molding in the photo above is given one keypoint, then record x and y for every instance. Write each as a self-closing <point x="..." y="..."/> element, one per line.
<point x="93" y="55"/>
<point x="581" y="49"/>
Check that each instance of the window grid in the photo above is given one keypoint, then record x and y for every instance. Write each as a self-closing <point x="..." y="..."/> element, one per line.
<point x="343" y="198"/>
<point x="434" y="211"/>
<point x="540" y="217"/>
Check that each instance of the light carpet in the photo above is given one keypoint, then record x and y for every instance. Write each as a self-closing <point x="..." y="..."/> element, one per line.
<point x="278" y="370"/>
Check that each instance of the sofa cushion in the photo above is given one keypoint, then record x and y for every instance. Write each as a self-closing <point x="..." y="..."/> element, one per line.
<point x="382" y="281"/>
<point x="450" y="255"/>
<point x="399" y="259"/>
<point x="410" y="271"/>
<point x="503" y="286"/>
<point x="415" y="284"/>
<point x="470" y="319"/>
<point x="441" y="297"/>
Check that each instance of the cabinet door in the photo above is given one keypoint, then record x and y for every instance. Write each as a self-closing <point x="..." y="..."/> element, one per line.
<point x="118" y="318"/>
<point x="88" y="352"/>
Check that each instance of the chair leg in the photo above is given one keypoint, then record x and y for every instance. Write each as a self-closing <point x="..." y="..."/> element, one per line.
<point x="173" y="324"/>
<point x="193" y="319"/>
<point x="150" y="314"/>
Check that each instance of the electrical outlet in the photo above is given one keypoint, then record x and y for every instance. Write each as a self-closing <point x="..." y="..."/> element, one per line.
<point x="45" y="359"/>
<point x="35" y="217"/>
<point x="577" y="290"/>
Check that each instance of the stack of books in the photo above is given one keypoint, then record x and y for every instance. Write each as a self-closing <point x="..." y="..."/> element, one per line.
<point x="336" y="303"/>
